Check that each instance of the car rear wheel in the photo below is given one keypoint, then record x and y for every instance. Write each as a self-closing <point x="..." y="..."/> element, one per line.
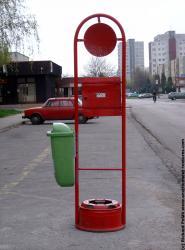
<point x="82" y="119"/>
<point x="36" y="119"/>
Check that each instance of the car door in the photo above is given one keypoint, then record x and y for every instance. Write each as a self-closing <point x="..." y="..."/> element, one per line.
<point x="51" y="110"/>
<point x="66" y="109"/>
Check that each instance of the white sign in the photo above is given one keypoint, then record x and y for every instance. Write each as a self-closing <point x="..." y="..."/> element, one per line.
<point x="101" y="95"/>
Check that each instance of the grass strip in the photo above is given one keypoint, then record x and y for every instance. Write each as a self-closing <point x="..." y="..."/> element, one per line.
<point x="8" y="112"/>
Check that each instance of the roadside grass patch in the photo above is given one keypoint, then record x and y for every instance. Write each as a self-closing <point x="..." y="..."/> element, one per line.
<point x="8" y="112"/>
<point x="132" y="97"/>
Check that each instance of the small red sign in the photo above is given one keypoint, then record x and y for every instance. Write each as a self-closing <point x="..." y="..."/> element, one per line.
<point x="100" y="39"/>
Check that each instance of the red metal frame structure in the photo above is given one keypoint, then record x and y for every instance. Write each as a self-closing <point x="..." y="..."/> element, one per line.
<point x="123" y="114"/>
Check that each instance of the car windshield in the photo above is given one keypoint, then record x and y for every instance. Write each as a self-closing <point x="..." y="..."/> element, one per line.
<point x="46" y="103"/>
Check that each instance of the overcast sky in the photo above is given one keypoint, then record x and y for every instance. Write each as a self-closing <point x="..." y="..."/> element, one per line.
<point x="141" y="20"/>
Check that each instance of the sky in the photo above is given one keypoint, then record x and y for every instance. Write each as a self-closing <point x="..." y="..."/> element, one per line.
<point x="141" y="20"/>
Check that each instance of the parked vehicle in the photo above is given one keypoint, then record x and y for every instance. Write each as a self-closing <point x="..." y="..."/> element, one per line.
<point x="61" y="108"/>
<point x="145" y="95"/>
<point x="176" y="95"/>
<point x="132" y="94"/>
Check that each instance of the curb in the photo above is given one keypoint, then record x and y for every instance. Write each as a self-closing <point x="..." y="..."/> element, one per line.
<point x="6" y="128"/>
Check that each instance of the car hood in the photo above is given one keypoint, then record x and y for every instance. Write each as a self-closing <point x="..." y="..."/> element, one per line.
<point x="33" y="108"/>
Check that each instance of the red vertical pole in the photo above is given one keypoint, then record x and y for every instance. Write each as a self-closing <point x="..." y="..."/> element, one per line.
<point x="123" y="133"/>
<point x="123" y="95"/>
<point x="76" y="129"/>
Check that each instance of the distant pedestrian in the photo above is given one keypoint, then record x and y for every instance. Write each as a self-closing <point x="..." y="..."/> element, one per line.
<point x="154" y="96"/>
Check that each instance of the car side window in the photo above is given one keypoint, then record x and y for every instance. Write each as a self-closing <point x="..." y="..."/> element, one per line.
<point x="55" y="104"/>
<point x="66" y="103"/>
<point x="48" y="104"/>
<point x="52" y="104"/>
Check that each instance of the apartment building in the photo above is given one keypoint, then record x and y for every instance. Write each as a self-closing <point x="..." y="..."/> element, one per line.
<point x="165" y="53"/>
<point x="134" y="57"/>
<point x="178" y="71"/>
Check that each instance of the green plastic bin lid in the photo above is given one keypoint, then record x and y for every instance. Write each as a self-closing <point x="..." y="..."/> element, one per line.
<point x="60" y="129"/>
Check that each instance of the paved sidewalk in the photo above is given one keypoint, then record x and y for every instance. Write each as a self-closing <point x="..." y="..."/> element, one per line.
<point x="10" y="121"/>
<point x="14" y="120"/>
<point x="36" y="214"/>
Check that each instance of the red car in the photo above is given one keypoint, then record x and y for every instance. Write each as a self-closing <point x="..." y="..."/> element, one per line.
<point x="61" y="108"/>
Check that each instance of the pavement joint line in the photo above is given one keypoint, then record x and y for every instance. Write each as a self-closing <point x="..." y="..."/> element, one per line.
<point x="26" y="171"/>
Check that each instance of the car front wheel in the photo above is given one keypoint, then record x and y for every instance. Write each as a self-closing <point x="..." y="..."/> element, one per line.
<point x="36" y="119"/>
<point x="82" y="119"/>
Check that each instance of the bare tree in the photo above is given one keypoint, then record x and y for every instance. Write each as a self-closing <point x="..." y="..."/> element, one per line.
<point x="17" y="28"/>
<point x="98" y="67"/>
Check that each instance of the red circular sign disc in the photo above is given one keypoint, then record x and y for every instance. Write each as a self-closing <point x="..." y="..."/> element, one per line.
<point x="100" y="39"/>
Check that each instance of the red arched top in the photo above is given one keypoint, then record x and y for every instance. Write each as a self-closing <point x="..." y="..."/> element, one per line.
<point x="99" y="16"/>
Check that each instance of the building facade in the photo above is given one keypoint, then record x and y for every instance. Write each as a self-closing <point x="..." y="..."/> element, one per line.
<point x="65" y="86"/>
<point x="134" y="58"/>
<point x="28" y="81"/>
<point x="178" y="72"/>
<point x="166" y="53"/>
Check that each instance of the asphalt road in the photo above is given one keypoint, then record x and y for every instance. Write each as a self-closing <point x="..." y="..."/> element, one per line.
<point x="36" y="214"/>
<point x="164" y="121"/>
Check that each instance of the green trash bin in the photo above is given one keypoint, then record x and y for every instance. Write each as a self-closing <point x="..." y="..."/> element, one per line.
<point x="62" y="147"/>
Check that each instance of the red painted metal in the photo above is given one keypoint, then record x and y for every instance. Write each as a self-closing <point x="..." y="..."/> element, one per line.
<point x="101" y="169"/>
<point x="82" y="212"/>
<point x="100" y="215"/>
<point x="101" y="96"/>
<point x="105" y="43"/>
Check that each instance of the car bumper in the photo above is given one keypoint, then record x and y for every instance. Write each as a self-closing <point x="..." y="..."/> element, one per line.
<point x="24" y="117"/>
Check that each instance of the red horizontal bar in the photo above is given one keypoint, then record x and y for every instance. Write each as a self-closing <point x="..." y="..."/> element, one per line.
<point x="117" y="169"/>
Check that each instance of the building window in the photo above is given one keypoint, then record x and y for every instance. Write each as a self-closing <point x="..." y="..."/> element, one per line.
<point x="65" y="91"/>
<point x="31" y="79"/>
<point x="26" y="93"/>
<point x="21" y="80"/>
